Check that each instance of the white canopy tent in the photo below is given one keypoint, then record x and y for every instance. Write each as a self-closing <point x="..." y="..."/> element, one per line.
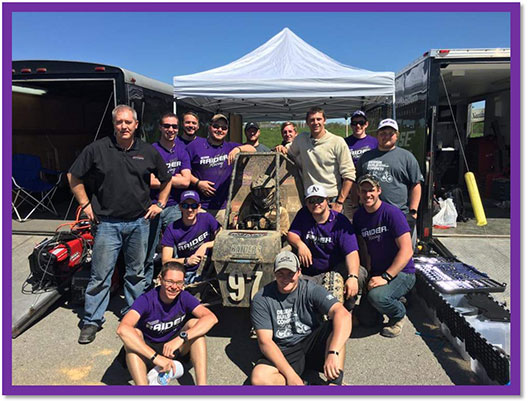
<point x="281" y="79"/>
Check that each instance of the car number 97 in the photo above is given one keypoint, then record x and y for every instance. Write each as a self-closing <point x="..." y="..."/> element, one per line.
<point x="236" y="284"/>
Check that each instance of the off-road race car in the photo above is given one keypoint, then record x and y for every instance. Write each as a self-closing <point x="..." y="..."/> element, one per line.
<point x="262" y="184"/>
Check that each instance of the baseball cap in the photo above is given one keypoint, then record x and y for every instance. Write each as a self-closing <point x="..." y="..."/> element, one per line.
<point x="249" y="125"/>
<point x="286" y="260"/>
<point x="359" y="113"/>
<point x="219" y="116"/>
<point x="316" y="190"/>
<point x="190" y="194"/>
<point x="370" y="179"/>
<point x="388" y="123"/>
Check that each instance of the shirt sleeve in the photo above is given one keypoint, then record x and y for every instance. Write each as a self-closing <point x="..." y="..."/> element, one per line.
<point x="296" y="225"/>
<point x="321" y="298"/>
<point x="84" y="162"/>
<point x="213" y="224"/>
<point x="140" y="305"/>
<point x="398" y="223"/>
<point x="346" y="165"/>
<point x="185" y="160"/>
<point x="347" y="238"/>
<point x="190" y="302"/>
<point x="260" y="313"/>
<point x="168" y="238"/>
<point x="160" y="167"/>
<point x="413" y="168"/>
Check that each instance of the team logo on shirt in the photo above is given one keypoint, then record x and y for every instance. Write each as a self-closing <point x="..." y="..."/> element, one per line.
<point x="374" y="233"/>
<point x="358" y="153"/>
<point x="163" y="327"/>
<point x="322" y="240"/>
<point x="172" y="165"/>
<point x="287" y="321"/>
<point x="192" y="244"/>
<point x="138" y="157"/>
<point x="215" y="161"/>
<point x="381" y="170"/>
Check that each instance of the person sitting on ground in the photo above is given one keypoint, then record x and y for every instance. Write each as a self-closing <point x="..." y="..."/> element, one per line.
<point x="288" y="133"/>
<point x="325" y="241"/>
<point x="192" y="236"/>
<point x="259" y="210"/>
<point x="252" y="131"/>
<point x="287" y="315"/>
<point x="165" y="324"/>
<point x="387" y="235"/>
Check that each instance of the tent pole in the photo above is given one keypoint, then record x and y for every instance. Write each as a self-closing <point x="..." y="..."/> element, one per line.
<point x="394" y="106"/>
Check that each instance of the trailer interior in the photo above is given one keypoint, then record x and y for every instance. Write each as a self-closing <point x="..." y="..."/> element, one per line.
<point x="479" y="94"/>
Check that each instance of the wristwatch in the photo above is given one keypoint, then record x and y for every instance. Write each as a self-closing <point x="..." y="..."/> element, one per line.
<point x="160" y="205"/>
<point x="184" y="336"/>
<point x="387" y="277"/>
<point x="413" y="211"/>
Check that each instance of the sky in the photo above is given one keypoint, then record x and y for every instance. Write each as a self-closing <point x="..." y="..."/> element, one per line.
<point x="162" y="45"/>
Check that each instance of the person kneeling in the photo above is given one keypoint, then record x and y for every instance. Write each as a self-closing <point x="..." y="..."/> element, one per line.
<point x="159" y="328"/>
<point x="287" y="316"/>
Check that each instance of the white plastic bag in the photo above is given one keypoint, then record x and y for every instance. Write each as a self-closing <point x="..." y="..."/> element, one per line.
<point x="447" y="216"/>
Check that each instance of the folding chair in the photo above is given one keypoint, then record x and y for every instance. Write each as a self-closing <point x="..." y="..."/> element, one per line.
<point x="28" y="186"/>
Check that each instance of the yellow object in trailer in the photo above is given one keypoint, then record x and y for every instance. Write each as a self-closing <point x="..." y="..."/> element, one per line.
<point x="474" y="196"/>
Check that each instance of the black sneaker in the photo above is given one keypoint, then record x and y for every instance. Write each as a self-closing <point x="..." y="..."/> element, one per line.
<point x="88" y="334"/>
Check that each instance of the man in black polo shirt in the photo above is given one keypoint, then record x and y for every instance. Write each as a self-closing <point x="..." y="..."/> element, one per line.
<point x="119" y="169"/>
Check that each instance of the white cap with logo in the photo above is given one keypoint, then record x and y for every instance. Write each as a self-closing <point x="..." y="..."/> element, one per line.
<point x="388" y="123"/>
<point x="316" y="190"/>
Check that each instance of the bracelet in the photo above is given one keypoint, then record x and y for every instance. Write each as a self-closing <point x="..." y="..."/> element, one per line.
<point x="185" y="260"/>
<point x="339" y="202"/>
<point x="86" y="205"/>
<point x="352" y="276"/>
<point x="239" y="149"/>
<point x="153" y="357"/>
<point x="196" y="184"/>
<point x="333" y="352"/>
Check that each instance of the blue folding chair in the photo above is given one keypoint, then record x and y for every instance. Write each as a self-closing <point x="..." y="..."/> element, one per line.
<point x="30" y="188"/>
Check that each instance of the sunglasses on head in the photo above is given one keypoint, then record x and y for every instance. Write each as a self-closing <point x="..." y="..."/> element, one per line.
<point x="185" y="206"/>
<point x="316" y="200"/>
<point x="359" y="122"/>
<point x="168" y="126"/>
<point x="217" y="126"/>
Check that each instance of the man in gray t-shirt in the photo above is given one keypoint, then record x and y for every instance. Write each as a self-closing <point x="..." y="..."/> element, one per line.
<point x="396" y="169"/>
<point x="287" y="315"/>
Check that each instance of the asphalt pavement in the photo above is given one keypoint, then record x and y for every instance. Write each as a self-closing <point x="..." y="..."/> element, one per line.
<point x="48" y="353"/>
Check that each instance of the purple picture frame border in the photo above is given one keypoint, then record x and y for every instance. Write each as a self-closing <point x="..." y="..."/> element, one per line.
<point x="513" y="388"/>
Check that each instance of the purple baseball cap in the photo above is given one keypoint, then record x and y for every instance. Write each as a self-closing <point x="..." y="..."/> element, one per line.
<point x="190" y="194"/>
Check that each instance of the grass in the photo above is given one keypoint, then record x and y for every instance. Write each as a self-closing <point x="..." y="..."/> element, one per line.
<point x="271" y="136"/>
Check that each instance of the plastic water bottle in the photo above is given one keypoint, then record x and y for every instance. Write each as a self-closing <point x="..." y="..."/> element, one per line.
<point x="157" y="378"/>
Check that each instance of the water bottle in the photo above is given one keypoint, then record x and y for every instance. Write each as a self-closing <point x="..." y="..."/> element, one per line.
<point x="157" y="378"/>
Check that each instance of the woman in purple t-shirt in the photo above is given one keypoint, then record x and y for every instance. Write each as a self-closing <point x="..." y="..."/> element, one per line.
<point x="192" y="236"/>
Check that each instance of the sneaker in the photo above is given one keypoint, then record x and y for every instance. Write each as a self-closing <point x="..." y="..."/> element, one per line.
<point x="88" y="334"/>
<point x="393" y="330"/>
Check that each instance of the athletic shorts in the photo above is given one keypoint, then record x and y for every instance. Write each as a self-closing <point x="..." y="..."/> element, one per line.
<point x="308" y="353"/>
<point x="158" y="348"/>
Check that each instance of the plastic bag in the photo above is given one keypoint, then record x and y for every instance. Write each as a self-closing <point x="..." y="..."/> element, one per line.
<point x="447" y="216"/>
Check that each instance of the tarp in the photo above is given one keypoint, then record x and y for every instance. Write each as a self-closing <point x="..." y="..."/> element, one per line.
<point x="283" y="78"/>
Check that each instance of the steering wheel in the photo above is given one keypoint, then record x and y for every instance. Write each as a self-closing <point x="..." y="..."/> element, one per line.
<point x="253" y="221"/>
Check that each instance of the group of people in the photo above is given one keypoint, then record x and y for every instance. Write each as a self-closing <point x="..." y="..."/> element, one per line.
<point x="178" y="188"/>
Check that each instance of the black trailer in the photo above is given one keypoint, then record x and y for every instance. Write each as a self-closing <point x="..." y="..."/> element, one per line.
<point x="61" y="106"/>
<point x="453" y="109"/>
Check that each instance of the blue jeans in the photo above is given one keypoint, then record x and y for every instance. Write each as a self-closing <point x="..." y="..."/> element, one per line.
<point x="385" y="299"/>
<point x="112" y="235"/>
<point x="159" y="223"/>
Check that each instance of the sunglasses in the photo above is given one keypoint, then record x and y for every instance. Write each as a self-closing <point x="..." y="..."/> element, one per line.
<point x="168" y="126"/>
<point x="359" y="122"/>
<point x="185" y="206"/>
<point x="316" y="200"/>
<point x="217" y="126"/>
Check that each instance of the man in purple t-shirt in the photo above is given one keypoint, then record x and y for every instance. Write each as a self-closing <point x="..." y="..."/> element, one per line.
<point x="325" y="241"/>
<point x="212" y="164"/>
<point x="178" y="165"/>
<point x="192" y="236"/>
<point x="386" y="232"/>
<point x="190" y="126"/>
<point x="158" y="328"/>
